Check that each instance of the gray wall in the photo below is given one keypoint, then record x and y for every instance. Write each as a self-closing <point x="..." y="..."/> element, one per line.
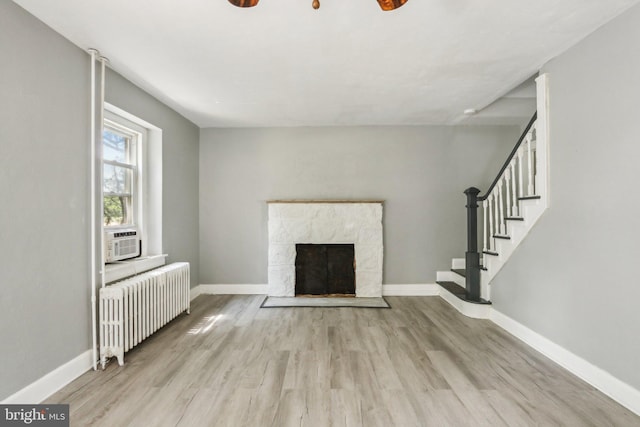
<point x="421" y="172"/>
<point x="44" y="185"/>
<point x="44" y="176"/>
<point x="573" y="279"/>
<point x="179" y="168"/>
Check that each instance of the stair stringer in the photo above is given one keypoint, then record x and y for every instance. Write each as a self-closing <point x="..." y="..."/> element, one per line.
<point x="532" y="210"/>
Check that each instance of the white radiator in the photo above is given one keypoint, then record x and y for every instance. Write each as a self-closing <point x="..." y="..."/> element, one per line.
<point x="134" y="308"/>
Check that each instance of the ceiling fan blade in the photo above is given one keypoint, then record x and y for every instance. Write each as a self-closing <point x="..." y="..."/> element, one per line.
<point x="389" y="4"/>
<point x="245" y="3"/>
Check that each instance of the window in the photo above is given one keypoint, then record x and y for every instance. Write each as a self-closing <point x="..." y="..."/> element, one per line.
<point x="121" y="176"/>
<point x="132" y="177"/>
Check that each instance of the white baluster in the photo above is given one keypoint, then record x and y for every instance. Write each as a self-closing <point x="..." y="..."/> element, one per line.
<point x="490" y="201"/>
<point x="502" y="227"/>
<point x="496" y="214"/>
<point x="529" y="166"/>
<point x="484" y="225"/>
<point x="507" y="179"/>
<point x="521" y="174"/>
<point x="514" y="206"/>
<point x="534" y="152"/>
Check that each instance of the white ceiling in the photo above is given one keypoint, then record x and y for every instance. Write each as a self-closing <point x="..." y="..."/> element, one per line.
<point x="282" y="63"/>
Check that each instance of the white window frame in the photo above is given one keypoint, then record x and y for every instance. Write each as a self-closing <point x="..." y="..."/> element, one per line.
<point x="138" y="138"/>
<point x="147" y="199"/>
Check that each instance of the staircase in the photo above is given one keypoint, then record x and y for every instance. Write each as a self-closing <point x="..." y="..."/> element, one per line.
<point x="512" y="205"/>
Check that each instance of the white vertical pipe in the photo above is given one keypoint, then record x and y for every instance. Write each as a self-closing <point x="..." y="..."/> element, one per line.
<point x="514" y="207"/>
<point x="103" y="62"/>
<point x="529" y="166"/>
<point x="96" y="179"/>
<point x="92" y="150"/>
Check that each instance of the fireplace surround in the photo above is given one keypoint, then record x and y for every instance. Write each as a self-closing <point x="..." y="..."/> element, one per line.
<point x="357" y="222"/>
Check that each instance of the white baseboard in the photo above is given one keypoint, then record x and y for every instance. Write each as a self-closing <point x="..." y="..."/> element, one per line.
<point x="426" y="289"/>
<point x="229" y="290"/>
<point x="469" y="309"/>
<point x="619" y="391"/>
<point x="387" y="290"/>
<point x="195" y="292"/>
<point x="44" y="387"/>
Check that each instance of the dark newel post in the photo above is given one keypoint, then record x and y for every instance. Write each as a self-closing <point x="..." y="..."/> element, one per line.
<point x="472" y="255"/>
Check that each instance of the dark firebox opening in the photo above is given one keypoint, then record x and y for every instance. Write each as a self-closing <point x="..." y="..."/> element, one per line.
<point x="325" y="269"/>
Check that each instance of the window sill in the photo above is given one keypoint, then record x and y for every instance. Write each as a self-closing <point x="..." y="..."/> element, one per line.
<point x="122" y="269"/>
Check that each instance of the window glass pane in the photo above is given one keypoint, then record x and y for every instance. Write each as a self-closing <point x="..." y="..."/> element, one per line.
<point x="116" y="147"/>
<point x="117" y="210"/>
<point x="119" y="169"/>
<point x="117" y="179"/>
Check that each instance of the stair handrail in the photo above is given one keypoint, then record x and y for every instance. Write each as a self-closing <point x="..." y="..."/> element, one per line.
<point x="510" y="158"/>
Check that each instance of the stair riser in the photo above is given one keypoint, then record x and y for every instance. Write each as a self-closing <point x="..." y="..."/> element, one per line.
<point x="458" y="263"/>
<point x="450" y="276"/>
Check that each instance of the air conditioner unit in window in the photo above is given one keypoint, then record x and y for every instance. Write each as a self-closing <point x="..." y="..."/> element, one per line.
<point x="121" y="244"/>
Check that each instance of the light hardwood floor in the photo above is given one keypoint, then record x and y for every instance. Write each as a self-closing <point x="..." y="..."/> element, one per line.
<point x="231" y="363"/>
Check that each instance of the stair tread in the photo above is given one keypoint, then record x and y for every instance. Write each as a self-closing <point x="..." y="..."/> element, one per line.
<point x="514" y="218"/>
<point x="460" y="292"/>
<point x="529" y="198"/>
<point x="491" y="253"/>
<point x="501" y="236"/>
<point x="461" y="271"/>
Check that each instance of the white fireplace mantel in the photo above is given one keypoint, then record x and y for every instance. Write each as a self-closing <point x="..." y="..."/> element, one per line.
<point x="357" y="222"/>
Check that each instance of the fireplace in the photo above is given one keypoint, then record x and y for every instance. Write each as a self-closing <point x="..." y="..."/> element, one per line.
<point x="337" y="222"/>
<point x="325" y="269"/>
